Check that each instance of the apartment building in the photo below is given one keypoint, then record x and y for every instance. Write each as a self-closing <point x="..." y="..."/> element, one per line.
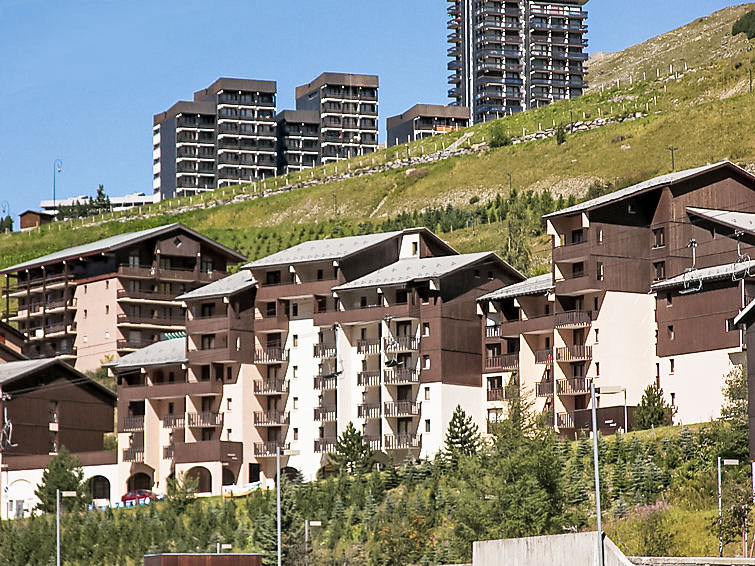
<point x="298" y="140"/>
<point x="46" y="404"/>
<point x="11" y="344"/>
<point x="225" y="136"/>
<point x="348" y="108"/>
<point x="425" y="120"/>
<point x="510" y="56"/>
<point x="378" y="330"/>
<point x="96" y="301"/>
<point x="640" y="291"/>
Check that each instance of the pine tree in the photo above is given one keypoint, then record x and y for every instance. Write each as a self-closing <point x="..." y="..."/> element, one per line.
<point x="619" y="478"/>
<point x="462" y="437"/>
<point x="64" y="473"/>
<point x="265" y="538"/>
<point x="687" y="444"/>
<point x="653" y="409"/>
<point x="352" y="454"/>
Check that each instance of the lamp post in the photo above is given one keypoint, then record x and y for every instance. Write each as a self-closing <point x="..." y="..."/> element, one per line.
<point x="725" y="462"/>
<point x="278" y="453"/>
<point x="601" y="559"/>
<point x="307" y="524"/>
<point x="613" y="389"/>
<point x="57" y="167"/>
<point x="673" y="150"/>
<point x="58" y="495"/>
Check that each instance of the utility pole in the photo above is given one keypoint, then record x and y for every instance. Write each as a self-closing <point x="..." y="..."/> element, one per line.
<point x="673" y="150"/>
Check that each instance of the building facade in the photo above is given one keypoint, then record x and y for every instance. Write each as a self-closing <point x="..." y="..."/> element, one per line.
<point x="640" y="292"/>
<point x="225" y="136"/>
<point x="298" y="140"/>
<point x="425" y="120"/>
<point x="94" y="302"/>
<point x="348" y="109"/>
<point x="510" y="56"/>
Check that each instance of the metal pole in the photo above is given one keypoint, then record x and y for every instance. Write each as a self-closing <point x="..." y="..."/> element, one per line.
<point x="626" y="421"/>
<point x="601" y="558"/>
<point x="306" y="541"/>
<point x="278" y="497"/>
<point x="720" y="534"/>
<point x="57" y="526"/>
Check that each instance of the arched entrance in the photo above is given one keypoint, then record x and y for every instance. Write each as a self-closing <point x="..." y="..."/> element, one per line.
<point x="99" y="487"/>
<point x="228" y="477"/>
<point x="203" y="478"/>
<point x="139" y="480"/>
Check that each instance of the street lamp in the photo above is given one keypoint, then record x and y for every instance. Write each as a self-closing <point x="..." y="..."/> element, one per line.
<point x="57" y="167"/>
<point x="278" y="453"/>
<point x="725" y="462"/>
<point x="58" y="495"/>
<point x="601" y="558"/>
<point x="611" y="390"/>
<point x="307" y="524"/>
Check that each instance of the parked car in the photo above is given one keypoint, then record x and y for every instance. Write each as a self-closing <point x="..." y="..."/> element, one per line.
<point x="138" y="494"/>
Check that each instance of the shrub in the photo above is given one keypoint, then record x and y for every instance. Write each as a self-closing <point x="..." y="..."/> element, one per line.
<point x="499" y="137"/>
<point x="745" y="24"/>
<point x="560" y="134"/>
<point x="653" y="409"/>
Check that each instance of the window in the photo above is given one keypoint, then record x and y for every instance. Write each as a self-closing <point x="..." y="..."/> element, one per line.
<point x="320" y="275"/>
<point x="597" y="369"/>
<point x="272" y="277"/>
<point x="671" y="365"/>
<point x="577" y="236"/>
<point x="670" y="331"/>
<point x="401" y="297"/>
<point x="660" y="270"/>
<point x="107" y="284"/>
<point x="427" y="425"/>
<point x="673" y="399"/>
<point x="363" y="334"/>
<point x="53" y="411"/>
<point x="577" y="270"/>
<point x="415" y="248"/>
<point x="477" y="273"/>
<point x="53" y="442"/>
<point x="599" y="275"/>
<point x="228" y="404"/>
<point x="107" y="334"/>
<point x="295" y="309"/>
<point x="597" y="336"/>
<point x="229" y="431"/>
<point x="228" y="374"/>
<point x="208" y="342"/>
<point x="295" y="340"/>
<point x="425" y="362"/>
<point x="363" y="302"/>
<point x="669" y="299"/>
<point x="599" y="236"/>
<point x="85" y="313"/>
<point x="425" y="329"/>
<point x="595" y="304"/>
<point x="270" y="308"/>
<point x="427" y="393"/>
<point x="293" y="371"/>
<point x="296" y="403"/>
<point x="296" y="434"/>
<point x="659" y="238"/>
<point x="86" y="339"/>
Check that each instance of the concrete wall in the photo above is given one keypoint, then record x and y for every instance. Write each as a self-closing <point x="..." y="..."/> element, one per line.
<point x="553" y="550"/>
<point x="675" y="561"/>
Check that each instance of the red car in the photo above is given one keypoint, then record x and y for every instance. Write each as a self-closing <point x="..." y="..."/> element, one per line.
<point x="138" y="494"/>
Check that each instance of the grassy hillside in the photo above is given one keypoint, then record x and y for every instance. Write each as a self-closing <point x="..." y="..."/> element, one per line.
<point x="703" y="112"/>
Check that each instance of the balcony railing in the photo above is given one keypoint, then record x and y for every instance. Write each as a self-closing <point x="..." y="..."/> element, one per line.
<point x="269" y="449"/>
<point x="504" y="362"/>
<point x="168" y="452"/>
<point x="400" y="376"/>
<point x="401" y="409"/>
<point x="325" y="414"/>
<point x="565" y="420"/>
<point x="544" y="389"/>
<point x="324" y="351"/>
<point x="544" y="356"/>
<point x="574" y="386"/>
<point x="368" y="379"/>
<point x="174" y="421"/>
<point x="157" y="320"/>
<point x="368" y="411"/>
<point x="146" y="295"/>
<point x="574" y="354"/>
<point x="573" y="319"/>
<point x="323" y="383"/>
<point x="401" y="441"/>
<point x="133" y="455"/>
<point x="368" y="346"/>
<point x="493" y="331"/>
<point x="205" y="419"/>
<point x="497" y="394"/>
<point x="270" y="356"/>
<point x="132" y="423"/>
<point x="401" y="344"/>
<point x="271" y="418"/>
<point x="270" y="387"/>
<point x="325" y="445"/>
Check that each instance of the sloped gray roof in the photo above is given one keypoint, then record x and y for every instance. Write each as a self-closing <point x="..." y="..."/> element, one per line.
<point x="409" y="269"/>
<point x="532" y="286"/>
<point x="12" y="371"/>
<point x="322" y="250"/>
<point x="640" y="187"/>
<point x="744" y="221"/>
<point x="691" y="278"/>
<point x="222" y="287"/>
<point x="114" y="243"/>
<point x="160" y="353"/>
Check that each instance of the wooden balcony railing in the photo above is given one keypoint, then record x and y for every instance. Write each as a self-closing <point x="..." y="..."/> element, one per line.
<point x="573" y="319"/>
<point x="270" y="387"/>
<point x="504" y="362"/>
<point x="401" y="409"/>
<point x="493" y="331"/>
<point x="325" y="383"/>
<point x="574" y="386"/>
<point x="205" y="419"/>
<point x="544" y="389"/>
<point x="132" y="423"/>
<point x="270" y="356"/>
<point x="400" y="376"/>
<point x="324" y="351"/>
<point x="174" y="421"/>
<point x="133" y="455"/>
<point x="544" y="356"/>
<point x="401" y="344"/>
<point x="574" y="353"/>
<point x="401" y="441"/>
<point x="325" y="414"/>
<point x="497" y="395"/>
<point x="325" y="445"/>
<point x="271" y="418"/>
<point x="168" y="451"/>
<point x="269" y="449"/>
<point x="368" y="411"/>
<point x="368" y="379"/>
<point x="368" y="346"/>
<point x="565" y="420"/>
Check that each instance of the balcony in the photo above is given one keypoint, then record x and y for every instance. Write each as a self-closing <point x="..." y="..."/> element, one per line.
<point x="544" y="356"/>
<point x="400" y="376"/>
<point x="497" y="394"/>
<point x="271" y="418"/>
<point x="132" y="423"/>
<point x="270" y="387"/>
<point x="325" y="445"/>
<point x="324" y="351"/>
<point x="169" y="451"/>
<point x="368" y="379"/>
<point x="369" y="313"/>
<point x="325" y="414"/>
<point x="506" y="362"/>
<point x="133" y="343"/>
<point x="574" y="354"/>
<point x="269" y="449"/>
<point x="573" y="319"/>
<point x="208" y="451"/>
<point x="538" y="324"/>
<point x="169" y="389"/>
<point x="574" y="386"/>
<point x="368" y="411"/>
<point x="544" y="389"/>
<point x="493" y="331"/>
<point x="565" y="420"/>
<point x="401" y="409"/>
<point x="368" y="347"/>
<point x="133" y="455"/>
<point x="143" y="296"/>
<point x="402" y="441"/>
<point x="325" y="383"/>
<point x="270" y="356"/>
<point x="156" y="320"/>
<point x="174" y="420"/>
<point x="219" y="323"/>
<point x="401" y="344"/>
<point x="205" y="419"/>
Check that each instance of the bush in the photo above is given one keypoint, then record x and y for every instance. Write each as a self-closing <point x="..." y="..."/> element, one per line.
<point x="745" y="24"/>
<point x="499" y="137"/>
<point x="653" y="409"/>
<point x="560" y="134"/>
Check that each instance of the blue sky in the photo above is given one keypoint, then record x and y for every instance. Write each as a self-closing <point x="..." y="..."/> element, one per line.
<point x="81" y="79"/>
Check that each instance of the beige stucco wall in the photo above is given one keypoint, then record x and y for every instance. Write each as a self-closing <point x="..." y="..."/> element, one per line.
<point x="96" y="318"/>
